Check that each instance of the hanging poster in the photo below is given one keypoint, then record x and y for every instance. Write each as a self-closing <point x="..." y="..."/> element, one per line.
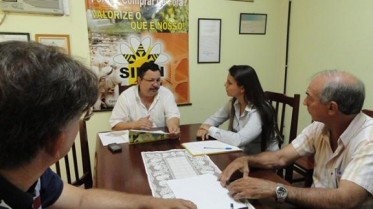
<point x="123" y="34"/>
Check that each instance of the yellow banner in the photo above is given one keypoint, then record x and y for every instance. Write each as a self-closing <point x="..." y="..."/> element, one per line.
<point x="123" y="34"/>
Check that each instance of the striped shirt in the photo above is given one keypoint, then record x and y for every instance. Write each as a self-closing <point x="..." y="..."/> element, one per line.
<point x="352" y="160"/>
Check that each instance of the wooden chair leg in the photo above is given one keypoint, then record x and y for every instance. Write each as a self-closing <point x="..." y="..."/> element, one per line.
<point x="289" y="173"/>
<point x="280" y="172"/>
<point x="308" y="179"/>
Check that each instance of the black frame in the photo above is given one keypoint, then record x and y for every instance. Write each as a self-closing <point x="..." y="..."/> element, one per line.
<point x="213" y="47"/>
<point x="260" y="21"/>
<point x="10" y="36"/>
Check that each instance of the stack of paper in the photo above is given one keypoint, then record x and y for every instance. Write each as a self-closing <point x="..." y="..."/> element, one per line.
<point x="209" y="147"/>
<point x="206" y="192"/>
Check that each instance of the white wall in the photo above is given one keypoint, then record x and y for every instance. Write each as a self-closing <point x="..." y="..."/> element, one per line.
<point x="330" y="34"/>
<point x="266" y="53"/>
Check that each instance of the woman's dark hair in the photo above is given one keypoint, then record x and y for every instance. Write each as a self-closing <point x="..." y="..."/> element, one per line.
<point x="246" y="77"/>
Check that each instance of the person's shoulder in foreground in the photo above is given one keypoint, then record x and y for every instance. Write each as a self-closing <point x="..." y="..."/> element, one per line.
<point x="341" y="138"/>
<point x="43" y="95"/>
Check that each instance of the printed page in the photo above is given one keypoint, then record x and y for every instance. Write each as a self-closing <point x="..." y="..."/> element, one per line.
<point x="162" y="166"/>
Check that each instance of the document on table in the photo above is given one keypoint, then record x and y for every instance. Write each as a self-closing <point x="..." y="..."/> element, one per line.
<point x="114" y="137"/>
<point x="209" y="147"/>
<point x="162" y="166"/>
<point x="205" y="191"/>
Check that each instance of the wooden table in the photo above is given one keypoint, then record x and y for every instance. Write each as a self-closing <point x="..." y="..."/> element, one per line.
<point x="125" y="171"/>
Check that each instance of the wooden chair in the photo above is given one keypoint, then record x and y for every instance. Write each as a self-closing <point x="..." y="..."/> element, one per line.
<point x="77" y="167"/>
<point x="304" y="167"/>
<point x="280" y="103"/>
<point x="123" y="88"/>
<point x="368" y="112"/>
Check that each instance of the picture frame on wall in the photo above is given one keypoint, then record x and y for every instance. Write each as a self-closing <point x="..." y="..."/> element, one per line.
<point x="10" y="36"/>
<point x="209" y="40"/>
<point x="253" y="23"/>
<point x="62" y="41"/>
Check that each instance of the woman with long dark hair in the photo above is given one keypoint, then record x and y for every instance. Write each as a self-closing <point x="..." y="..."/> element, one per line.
<point x="251" y="117"/>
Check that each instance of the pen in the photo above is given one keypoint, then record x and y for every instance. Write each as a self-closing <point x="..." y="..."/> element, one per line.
<point x="226" y="148"/>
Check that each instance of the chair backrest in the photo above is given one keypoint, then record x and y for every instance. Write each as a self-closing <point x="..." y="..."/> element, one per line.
<point x="123" y="88"/>
<point x="77" y="165"/>
<point x="280" y="103"/>
<point x="368" y="112"/>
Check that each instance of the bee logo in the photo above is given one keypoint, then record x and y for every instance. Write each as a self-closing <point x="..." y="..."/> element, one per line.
<point x="137" y="52"/>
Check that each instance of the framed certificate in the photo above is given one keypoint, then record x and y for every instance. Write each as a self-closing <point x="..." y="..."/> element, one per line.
<point x="61" y="41"/>
<point x="209" y="32"/>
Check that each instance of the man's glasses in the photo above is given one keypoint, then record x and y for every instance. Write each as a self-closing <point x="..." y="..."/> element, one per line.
<point x="153" y="81"/>
<point x="87" y="114"/>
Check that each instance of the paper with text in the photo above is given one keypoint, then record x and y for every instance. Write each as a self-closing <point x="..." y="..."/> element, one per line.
<point x="162" y="166"/>
<point x="114" y="137"/>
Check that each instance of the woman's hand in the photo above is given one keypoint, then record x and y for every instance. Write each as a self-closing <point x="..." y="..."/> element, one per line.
<point x="203" y="132"/>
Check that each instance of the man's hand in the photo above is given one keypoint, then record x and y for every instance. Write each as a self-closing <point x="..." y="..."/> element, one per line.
<point x="251" y="188"/>
<point x="172" y="204"/>
<point x="174" y="130"/>
<point x="76" y="197"/>
<point x="173" y="126"/>
<point x="240" y="164"/>
<point x="144" y="123"/>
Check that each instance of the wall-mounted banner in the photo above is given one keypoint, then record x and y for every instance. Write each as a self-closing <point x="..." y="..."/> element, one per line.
<point x="123" y="34"/>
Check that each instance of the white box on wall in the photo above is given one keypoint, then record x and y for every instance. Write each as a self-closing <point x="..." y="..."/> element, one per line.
<point x="50" y="7"/>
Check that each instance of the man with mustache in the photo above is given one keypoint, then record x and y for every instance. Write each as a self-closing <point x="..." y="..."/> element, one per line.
<point x="43" y="96"/>
<point x="147" y="104"/>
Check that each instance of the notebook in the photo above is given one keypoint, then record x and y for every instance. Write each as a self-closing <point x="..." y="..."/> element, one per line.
<point x="208" y="147"/>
